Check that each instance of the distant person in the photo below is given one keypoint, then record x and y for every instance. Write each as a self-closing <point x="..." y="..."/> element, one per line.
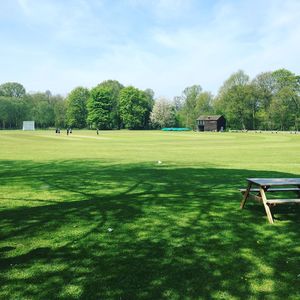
<point x="70" y="130"/>
<point x="56" y="130"/>
<point x="67" y="131"/>
<point x="97" y="131"/>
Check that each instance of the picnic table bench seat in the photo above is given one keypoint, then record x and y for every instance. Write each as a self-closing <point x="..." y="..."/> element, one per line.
<point x="272" y="190"/>
<point x="282" y="201"/>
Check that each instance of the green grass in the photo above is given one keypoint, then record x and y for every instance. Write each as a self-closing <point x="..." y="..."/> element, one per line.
<point x="177" y="230"/>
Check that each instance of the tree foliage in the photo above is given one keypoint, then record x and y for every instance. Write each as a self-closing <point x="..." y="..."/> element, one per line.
<point x="12" y="112"/>
<point x="12" y="89"/>
<point x="60" y="111"/>
<point x="238" y="78"/>
<point x="192" y="103"/>
<point x="77" y="107"/>
<point x="135" y="108"/>
<point x="43" y="108"/>
<point x="40" y="107"/>
<point x="163" y="114"/>
<point x="100" y="108"/>
<point x="270" y="101"/>
<point x="113" y="87"/>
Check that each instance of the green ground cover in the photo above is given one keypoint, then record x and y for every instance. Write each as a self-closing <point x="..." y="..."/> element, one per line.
<point x="97" y="217"/>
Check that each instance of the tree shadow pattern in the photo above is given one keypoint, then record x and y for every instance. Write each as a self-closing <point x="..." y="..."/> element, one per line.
<point x="92" y="230"/>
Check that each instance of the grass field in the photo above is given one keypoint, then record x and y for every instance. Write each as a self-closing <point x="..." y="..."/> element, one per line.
<point x="97" y="217"/>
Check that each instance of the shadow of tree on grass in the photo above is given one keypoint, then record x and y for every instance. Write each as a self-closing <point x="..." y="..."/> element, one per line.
<point x="91" y="230"/>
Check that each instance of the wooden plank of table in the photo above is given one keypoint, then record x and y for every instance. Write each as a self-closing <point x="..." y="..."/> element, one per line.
<point x="275" y="181"/>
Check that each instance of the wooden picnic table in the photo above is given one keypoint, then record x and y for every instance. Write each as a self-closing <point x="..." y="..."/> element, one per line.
<point x="258" y="188"/>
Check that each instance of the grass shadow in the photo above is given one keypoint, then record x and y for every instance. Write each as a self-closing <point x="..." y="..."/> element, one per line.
<point x="90" y="230"/>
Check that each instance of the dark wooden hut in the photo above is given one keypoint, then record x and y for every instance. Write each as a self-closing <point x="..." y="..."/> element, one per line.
<point x="211" y="123"/>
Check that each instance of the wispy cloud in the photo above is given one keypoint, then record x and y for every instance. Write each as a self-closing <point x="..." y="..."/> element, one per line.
<point x="24" y="5"/>
<point x="165" y="45"/>
<point x="164" y="7"/>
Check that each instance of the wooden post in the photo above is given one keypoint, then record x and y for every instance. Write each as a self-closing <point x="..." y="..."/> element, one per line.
<point x="267" y="208"/>
<point x="247" y="192"/>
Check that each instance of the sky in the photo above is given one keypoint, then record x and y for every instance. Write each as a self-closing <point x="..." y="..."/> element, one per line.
<point x="165" y="45"/>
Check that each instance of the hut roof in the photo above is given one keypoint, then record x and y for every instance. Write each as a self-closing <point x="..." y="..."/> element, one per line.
<point x="209" y="118"/>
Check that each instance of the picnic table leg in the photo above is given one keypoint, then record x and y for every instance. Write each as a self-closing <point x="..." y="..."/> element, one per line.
<point x="267" y="208"/>
<point x="247" y="192"/>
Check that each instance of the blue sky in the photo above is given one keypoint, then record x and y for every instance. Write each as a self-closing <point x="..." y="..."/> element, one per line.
<point x="165" y="45"/>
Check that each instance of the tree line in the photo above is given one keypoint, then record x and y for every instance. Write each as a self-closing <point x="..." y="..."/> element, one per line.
<point x="270" y="101"/>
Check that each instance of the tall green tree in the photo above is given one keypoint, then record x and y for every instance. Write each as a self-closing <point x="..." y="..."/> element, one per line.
<point x="189" y="112"/>
<point x="134" y="108"/>
<point x="287" y="92"/>
<point x="284" y="78"/>
<point x="193" y="103"/>
<point x="239" y="78"/>
<point x="238" y="101"/>
<point x="264" y="89"/>
<point x="264" y="83"/>
<point x="284" y="110"/>
<point x="100" y="108"/>
<point x="150" y="104"/>
<point x="60" y="111"/>
<point x="13" y="112"/>
<point x="278" y="89"/>
<point x="114" y="87"/>
<point x="42" y="108"/>
<point x="44" y="115"/>
<point x="77" y="107"/>
<point x="239" y="107"/>
<point x="12" y="89"/>
<point x="204" y="103"/>
<point x="5" y="111"/>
